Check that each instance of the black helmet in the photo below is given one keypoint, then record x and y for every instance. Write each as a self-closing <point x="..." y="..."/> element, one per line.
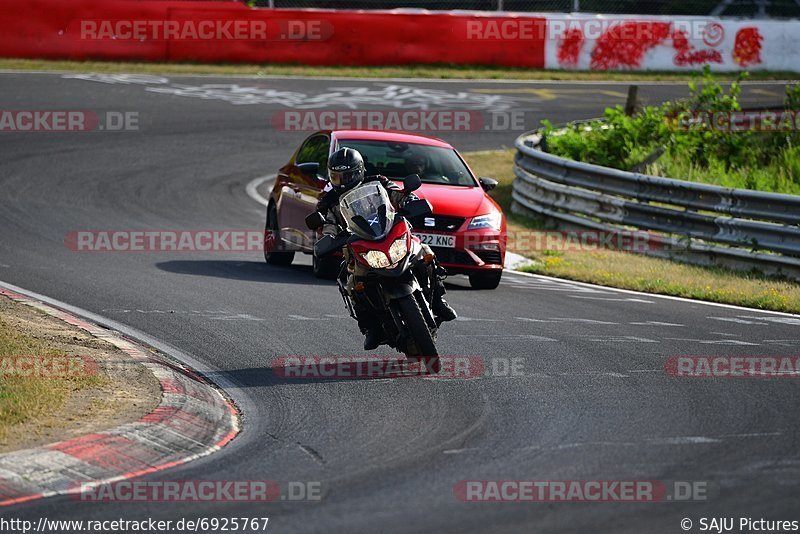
<point x="345" y="168"/>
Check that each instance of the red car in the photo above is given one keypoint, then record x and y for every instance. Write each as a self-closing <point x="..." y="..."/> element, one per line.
<point x="467" y="230"/>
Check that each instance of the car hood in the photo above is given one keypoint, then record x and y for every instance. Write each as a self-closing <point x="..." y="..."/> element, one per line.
<point x="453" y="201"/>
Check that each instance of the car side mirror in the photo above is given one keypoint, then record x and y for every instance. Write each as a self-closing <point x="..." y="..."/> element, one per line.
<point x="315" y="220"/>
<point x="309" y="169"/>
<point x="412" y="182"/>
<point x="487" y="183"/>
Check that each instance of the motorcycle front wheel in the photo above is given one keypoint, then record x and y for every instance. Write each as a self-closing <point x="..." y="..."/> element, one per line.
<point x="419" y="332"/>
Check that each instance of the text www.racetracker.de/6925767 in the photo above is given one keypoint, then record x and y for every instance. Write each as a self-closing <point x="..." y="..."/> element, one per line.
<point x="197" y="524"/>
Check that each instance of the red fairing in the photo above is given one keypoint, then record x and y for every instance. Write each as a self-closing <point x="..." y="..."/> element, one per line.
<point x="363" y="246"/>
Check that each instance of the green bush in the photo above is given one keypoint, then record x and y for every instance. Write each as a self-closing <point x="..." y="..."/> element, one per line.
<point x="768" y="161"/>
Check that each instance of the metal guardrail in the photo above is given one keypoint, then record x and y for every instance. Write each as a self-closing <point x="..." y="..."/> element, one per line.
<point x="698" y="223"/>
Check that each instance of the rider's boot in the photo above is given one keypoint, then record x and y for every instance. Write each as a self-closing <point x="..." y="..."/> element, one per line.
<point x="443" y="311"/>
<point x="374" y="337"/>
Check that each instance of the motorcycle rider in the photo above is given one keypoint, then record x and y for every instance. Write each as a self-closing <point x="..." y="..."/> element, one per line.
<point x="346" y="171"/>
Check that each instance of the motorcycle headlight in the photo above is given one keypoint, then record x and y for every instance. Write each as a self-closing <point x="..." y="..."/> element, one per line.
<point x="492" y="220"/>
<point x="376" y="259"/>
<point x="398" y="250"/>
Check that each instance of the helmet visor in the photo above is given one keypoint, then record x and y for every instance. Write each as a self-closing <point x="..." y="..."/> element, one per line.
<point x="340" y="178"/>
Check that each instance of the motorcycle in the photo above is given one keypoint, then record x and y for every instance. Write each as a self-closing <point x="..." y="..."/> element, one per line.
<point x="387" y="260"/>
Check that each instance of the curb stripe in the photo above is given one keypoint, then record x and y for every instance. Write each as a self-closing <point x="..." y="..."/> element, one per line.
<point x="193" y="419"/>
<point x="115" y="453"/>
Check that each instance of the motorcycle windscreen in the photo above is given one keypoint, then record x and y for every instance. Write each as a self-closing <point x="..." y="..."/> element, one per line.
<point x="368" y="211"/>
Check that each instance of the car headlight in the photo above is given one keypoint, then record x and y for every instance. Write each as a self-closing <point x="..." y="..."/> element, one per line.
<point x="376" y="259"/>
<point x="398" y="250"/>
<point x="492" y="220"/>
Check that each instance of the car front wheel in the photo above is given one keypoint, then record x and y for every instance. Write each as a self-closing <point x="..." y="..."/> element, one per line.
<point x="276" y="257"/>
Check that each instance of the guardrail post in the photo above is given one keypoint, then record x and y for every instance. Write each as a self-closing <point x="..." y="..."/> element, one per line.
<point x="632" y="101"/>
<point x="649" y="160"/>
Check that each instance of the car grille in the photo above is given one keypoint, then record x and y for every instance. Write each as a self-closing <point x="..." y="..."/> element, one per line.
<point x="442" y="223"/>
<point x="459" y="257"/>
<point x="452" y="256"/>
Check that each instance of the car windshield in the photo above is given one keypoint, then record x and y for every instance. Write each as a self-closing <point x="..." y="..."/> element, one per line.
<point x="368" y="211"/>
<point x="435" y="165"/>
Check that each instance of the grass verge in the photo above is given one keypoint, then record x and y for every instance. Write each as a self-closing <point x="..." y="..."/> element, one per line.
<point x="410" y="71"/>
<point x="58" y="382"/>
<point x="633" y="271"/>
<point x="28" y="398"/>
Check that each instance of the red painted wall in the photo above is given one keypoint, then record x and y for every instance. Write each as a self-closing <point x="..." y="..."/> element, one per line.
<point x="52" y="29"/>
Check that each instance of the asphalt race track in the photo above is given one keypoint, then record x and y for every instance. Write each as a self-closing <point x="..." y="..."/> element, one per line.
<point x="593" y="402"/>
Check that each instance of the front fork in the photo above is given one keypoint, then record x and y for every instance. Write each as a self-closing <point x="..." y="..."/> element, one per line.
<point x="341" y="282"/>
<point x="425" y="274"/>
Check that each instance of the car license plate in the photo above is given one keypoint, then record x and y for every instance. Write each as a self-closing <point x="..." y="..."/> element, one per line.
<point x="438" y="240"/>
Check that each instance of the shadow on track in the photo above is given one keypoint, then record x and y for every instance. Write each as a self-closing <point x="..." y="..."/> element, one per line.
<point x="458" y="282"/>
<point x="248" y="271"/>
<point x="258" y="271"/>
<point x="286" y="374"/>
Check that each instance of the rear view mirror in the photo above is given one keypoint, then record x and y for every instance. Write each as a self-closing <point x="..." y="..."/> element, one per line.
<point x="309" y="169"/>
<point x="412" y="182"/>
<point x="416" y="208"/>
<point x="315" y="220"/>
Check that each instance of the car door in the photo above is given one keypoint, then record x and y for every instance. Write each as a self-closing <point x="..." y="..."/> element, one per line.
<point x="300" y="192"/>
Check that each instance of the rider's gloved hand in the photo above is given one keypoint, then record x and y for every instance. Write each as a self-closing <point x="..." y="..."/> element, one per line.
<point x="326" y="203"/>
<point x="409" y="198"/>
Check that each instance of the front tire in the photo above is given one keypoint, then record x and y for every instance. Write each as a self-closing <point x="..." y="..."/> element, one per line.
<point x="485" y="280"/>
<point x="418" y="329"/>
<point x="276" y="257"/>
